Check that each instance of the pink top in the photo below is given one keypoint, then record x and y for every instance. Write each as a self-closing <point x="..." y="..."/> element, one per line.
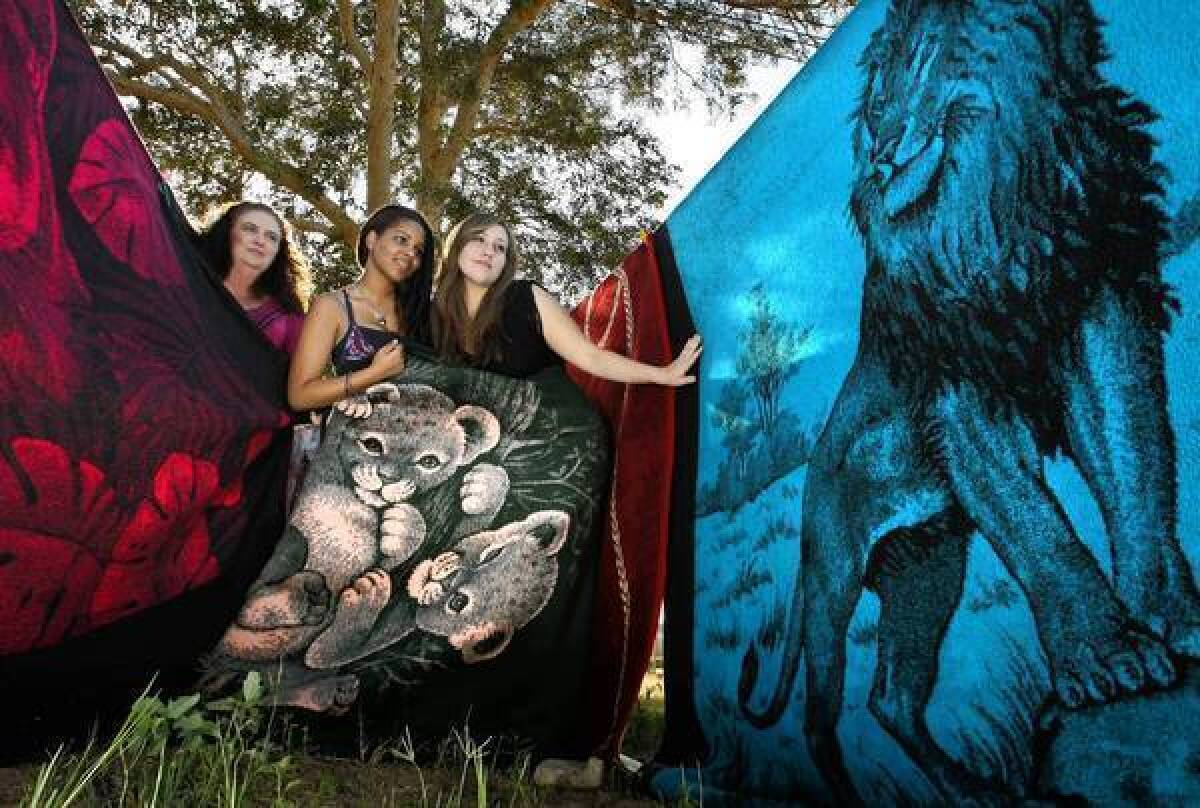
<point x="280" y="326"/>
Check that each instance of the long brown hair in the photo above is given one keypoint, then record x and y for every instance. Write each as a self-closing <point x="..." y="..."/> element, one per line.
<point x="286" y="280"/>
<point x="456" y="335"/>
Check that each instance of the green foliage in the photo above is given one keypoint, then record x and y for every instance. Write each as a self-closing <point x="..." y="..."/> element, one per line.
<point x="274" y="100"/>
<point x="187" y="752"/>
<point x="175" y="753"/>
<point x="740" y="479"/>
<point x="738" y="429"/>
<point x="767" y="443"/>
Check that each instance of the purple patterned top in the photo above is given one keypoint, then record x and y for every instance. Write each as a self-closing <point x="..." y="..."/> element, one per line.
<point x="280" y="326"/>
<point x="358" y="345"/>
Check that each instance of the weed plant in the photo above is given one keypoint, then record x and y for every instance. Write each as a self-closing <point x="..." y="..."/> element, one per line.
<point x="236" y="751"/>
<point x="175" y="753"/>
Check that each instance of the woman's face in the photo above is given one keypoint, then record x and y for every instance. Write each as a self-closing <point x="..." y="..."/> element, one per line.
<point x="254" y="240"/>
<point x="483" y="257"/>
<point x="397" y="251"/>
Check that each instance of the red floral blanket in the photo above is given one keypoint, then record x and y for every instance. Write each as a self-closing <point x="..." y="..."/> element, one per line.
<point x="138" y="422"/>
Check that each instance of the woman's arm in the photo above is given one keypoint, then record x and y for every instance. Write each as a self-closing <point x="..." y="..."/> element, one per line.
<point x="565" y="339"/>
<point x="308" y="389"/>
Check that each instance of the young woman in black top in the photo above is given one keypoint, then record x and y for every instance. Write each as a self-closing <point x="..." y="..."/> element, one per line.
<point x="485" y="317"/>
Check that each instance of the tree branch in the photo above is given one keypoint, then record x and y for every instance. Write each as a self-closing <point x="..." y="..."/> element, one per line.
<point x="521" y="15"/>
<point x="431" y="105"/>
<point x="154" y="63"/>
<point x="215" y="112"/>
<point x="307" y="225"/>
<point x="350" y="39"/>
<point x="381" y="103"/>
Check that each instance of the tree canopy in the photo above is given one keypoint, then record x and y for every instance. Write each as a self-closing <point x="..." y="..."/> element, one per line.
<point x="330" y="108"/>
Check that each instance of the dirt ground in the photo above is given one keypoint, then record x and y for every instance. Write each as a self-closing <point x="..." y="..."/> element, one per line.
<point x="390" y="782"/>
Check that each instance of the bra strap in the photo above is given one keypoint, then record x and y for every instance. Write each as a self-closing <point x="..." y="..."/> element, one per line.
<point x="349" y="309"/>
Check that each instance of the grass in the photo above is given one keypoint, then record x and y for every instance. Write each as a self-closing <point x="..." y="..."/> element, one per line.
<point x="238" y="751"/>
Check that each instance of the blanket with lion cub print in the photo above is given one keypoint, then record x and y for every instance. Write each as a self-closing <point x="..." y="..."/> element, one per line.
<point x="442" y="539"/>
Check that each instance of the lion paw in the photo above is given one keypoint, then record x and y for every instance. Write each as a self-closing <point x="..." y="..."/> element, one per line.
<point x="401" y="533"/>
<point x="358" y="608"/>
<point x="357" y="406"/>
<point x="1177" y="619"/>
<point x="299" y="600"/>
<point x="421" y="587"/>
<point x="333" y="695"/>
<point x="445" y="565"/>
<point x="1097" y="672"/>
<point x="425" y="584"/>
<point x="484" y="489"/>
<point x="1184" y="639"/>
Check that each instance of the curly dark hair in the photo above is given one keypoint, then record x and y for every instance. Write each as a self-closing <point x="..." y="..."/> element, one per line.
<point x="413" y="295"/>
<point x="287" y="280"/>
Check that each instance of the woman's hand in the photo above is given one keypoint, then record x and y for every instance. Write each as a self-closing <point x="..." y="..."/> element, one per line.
<point x="387" y="362"/>
<point x="676" y="374"/>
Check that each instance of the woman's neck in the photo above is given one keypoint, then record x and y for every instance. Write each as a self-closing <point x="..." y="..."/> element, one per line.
<point x="473" y="298"/>
<point x="377" y="286"/>
<point x="240" y="283"/>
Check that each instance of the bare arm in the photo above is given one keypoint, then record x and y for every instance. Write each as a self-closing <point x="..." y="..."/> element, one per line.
<point x="565" y="339"/>
<point x="308" y="388"/>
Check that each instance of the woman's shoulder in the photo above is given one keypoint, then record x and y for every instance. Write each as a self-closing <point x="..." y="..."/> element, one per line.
<point x="520" y="297"/>
<point x="532" y="284"/>
<point x="328" y="300"/>
<point x="527" y="290"/>
<point x="326" y="306"/>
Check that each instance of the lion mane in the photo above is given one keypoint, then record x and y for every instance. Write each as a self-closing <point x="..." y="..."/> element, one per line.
<point x="1000" y="184"/>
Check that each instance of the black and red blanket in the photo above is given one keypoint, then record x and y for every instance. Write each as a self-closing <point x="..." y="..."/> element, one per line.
<point x="143" y="439"/>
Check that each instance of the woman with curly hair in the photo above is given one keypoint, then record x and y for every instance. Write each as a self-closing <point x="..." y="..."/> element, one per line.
<point x="249" y="247"/>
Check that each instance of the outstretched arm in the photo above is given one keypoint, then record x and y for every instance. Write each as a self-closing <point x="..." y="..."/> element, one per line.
<point x="308" y="388"/>
<point x="565" y="339"/>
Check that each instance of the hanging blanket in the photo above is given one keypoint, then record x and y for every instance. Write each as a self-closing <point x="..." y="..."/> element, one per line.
<point x="631" y="313"/>
<point x="441" y="549"/>
<point x="141" y="460"/>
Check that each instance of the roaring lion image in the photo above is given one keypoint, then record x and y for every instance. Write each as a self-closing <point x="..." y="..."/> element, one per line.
<point x="1013" y="308"/>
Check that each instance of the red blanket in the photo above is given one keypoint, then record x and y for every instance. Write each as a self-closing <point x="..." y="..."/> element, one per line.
<point x="140" y="450"/>
<point x="627" y="314"/>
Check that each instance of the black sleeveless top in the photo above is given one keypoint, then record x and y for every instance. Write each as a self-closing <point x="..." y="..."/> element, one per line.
<point x="524" y="350"/>
<point x="358" y="345"/>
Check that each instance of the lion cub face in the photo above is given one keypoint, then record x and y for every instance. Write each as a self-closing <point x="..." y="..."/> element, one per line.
<point x="413" y="440"/>
<point x="491" y="584"/>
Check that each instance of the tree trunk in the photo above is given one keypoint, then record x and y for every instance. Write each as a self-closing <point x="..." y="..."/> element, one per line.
<point x="381" y="116"/>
